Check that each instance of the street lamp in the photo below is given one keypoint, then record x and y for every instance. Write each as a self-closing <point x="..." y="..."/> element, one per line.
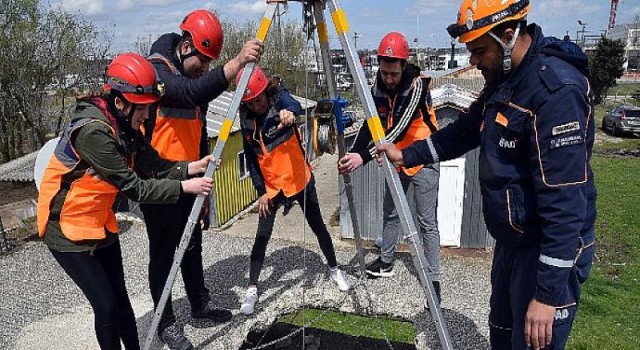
<point x="583" y="24"/>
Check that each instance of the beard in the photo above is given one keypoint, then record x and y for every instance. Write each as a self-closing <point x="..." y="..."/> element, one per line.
<point x="494" y="74"/>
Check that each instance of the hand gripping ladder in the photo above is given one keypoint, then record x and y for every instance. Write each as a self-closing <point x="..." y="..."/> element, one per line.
<point x="225" y="130"/>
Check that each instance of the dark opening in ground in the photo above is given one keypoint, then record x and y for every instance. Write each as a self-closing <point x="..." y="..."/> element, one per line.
<point x="334" y="330"/>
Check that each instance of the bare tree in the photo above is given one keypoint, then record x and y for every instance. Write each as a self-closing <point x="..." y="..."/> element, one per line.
<point x="283" y="53"/>
<point x="142" y="45"/>
<point x="47" y="55"/>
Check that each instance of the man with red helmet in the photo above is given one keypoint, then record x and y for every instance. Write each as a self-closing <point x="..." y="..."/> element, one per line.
<point x="404" y="105"/>
<point x="94" y="161"/>
<point x="177" y="130"/>
<point x="534" y="125"/>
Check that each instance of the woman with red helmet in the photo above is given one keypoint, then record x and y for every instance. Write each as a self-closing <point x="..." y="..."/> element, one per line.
<point x="94" y="161"/>
<point x="280" y="173"/>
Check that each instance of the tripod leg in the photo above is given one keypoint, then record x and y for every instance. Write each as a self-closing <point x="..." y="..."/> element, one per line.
<point x="225" y="130"/>
<point x="393" y="181"/>
<point x="326" y="61"/>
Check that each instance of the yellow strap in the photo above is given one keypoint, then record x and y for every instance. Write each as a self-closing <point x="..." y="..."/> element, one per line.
<point x="263" y="29"/>
<point x="340" y="21"/>
<point x="323" y="36"/>
<point x="375" y="126"/>
<point x="225" y="130"/>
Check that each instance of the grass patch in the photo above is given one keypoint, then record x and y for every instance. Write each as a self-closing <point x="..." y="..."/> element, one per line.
<point x="609" y="315"/>
<point x="624" y="89"/>
<point x="355" y="325"/>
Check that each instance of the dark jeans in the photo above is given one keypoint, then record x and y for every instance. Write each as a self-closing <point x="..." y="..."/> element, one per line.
<point x="165" y="224"/>
<point x="513" y="285"/>
<point x="314" y="218"/>
<point x="100" y="276"/>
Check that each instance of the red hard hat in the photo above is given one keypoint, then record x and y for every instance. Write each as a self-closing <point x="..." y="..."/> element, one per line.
<point x="394" y="45"/>
<point x="258" y="82"/>
<point x="134" y="77"/>
<point x="206" y="32"/>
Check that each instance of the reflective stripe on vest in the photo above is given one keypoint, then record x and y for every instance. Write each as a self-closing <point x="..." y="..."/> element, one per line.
<point x="177" y="131"/>
<point x="418" y="128"/>
<point x="87" y="200"/>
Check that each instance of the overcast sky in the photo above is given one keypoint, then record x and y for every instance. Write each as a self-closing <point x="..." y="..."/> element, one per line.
<point x="425" y="19"/>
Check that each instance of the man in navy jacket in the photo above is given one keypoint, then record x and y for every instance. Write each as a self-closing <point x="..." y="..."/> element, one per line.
<point x="534" y="125"/>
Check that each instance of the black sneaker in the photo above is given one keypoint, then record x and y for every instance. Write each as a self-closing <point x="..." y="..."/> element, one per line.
<point x="212" y="313"/>
<point x="174" y="337"/>
<point x="379" y="268"/>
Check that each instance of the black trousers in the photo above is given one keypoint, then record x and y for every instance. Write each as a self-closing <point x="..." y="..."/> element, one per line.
<point x="100" y="276"/>
<point x="314" y="218"/>
<point x="165" y="224"/>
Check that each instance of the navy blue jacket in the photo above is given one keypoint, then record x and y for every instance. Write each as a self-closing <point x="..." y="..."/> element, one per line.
<point x="181" y="91"/>
<point x="266" y="124"/>
<point x="535" y="131"/>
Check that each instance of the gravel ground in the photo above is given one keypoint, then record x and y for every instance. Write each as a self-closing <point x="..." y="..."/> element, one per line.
<point x="41" y="308"/>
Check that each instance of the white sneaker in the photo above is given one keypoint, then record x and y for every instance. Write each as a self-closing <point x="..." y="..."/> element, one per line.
<point x="340" y="278"/>
<point x="249" y="302"/>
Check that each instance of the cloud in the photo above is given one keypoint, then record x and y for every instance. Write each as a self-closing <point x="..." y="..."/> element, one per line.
<point x="562" y="8"/>
<point x="126" y="5"/>
<point x="244" y="7"/>
<point x="433" y="7"/>
<point x="90" y="7"/>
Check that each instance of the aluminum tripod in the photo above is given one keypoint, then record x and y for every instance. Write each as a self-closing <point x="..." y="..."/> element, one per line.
<point x="378" y="135"/>
<point x="373" y="121"/>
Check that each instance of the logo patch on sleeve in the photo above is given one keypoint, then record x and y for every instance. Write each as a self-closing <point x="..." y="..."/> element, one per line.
<point x="565" y="128"/>
<point x="566" y="141"/>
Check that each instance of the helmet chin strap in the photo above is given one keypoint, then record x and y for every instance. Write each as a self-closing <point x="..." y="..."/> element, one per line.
<point x="183" y="58"/>
<point x="507" y="49"/>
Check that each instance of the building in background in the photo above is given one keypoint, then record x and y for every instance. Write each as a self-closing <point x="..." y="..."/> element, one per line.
<point x="630" y="36"/>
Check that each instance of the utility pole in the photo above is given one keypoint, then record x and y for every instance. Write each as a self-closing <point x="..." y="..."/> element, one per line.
<point x="583" y="24"/>
<point x="452" y="63"/>
<point x="356" y="36"/>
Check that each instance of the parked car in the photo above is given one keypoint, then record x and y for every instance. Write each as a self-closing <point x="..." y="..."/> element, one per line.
<point x="622" y="120"/>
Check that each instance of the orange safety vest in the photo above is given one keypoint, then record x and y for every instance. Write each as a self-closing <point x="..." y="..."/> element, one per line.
<point x="177" y="132"/>
<point x="87" y="200"/>
<point x="282" y="161"/>
<point x="418" y="129"/>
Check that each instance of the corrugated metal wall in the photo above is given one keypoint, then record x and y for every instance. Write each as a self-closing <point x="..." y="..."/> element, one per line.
<point x="368" y="186"/>
<point x="231" y="195"/>
<point x="368" y="191"/>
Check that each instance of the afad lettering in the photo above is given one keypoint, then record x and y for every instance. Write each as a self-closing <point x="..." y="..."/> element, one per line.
<point x="561" y="314"/>
<point x="507" y="144"/>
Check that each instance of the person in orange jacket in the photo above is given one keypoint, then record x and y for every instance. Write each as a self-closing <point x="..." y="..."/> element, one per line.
<point x="98" y="156"/>
<point x="280" y="173"/>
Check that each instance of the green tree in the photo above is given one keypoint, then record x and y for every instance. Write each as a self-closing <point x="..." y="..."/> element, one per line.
<point x="605" y="66"/>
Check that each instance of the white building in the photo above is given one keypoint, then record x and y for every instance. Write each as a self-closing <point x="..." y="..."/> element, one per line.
<point x="630" y="36"/>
